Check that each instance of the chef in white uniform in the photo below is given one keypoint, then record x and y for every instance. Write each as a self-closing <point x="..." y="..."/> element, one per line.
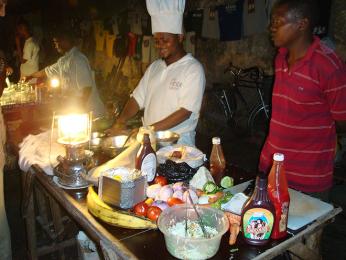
<point x="74" y="73"/>
<point x="172" y="87"/>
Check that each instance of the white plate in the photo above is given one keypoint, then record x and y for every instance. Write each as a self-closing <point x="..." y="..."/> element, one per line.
<point x="193" y="157"/>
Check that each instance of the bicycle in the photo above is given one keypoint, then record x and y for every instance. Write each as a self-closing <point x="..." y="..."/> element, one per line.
<point x="220" y="105"/>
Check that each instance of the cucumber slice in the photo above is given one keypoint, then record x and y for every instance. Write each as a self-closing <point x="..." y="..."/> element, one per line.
<point x="210" y="187"/>
<point x="226" y="182"/>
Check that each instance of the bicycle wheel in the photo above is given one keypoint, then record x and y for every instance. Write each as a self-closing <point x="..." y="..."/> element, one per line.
<point x="215" y="113"/>
<point x="258" y="122"/>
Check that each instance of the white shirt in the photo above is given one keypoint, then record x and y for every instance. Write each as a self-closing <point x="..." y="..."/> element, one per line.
<point x="31" y="55"/>
<point x="165" y="89"/>
<point x="74" y="72"/>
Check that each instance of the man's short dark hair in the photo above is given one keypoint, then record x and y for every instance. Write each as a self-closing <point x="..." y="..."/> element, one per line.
<point x="64" y="32"/>
<point x="302" y="9"/>
<point x="25" y="24"/>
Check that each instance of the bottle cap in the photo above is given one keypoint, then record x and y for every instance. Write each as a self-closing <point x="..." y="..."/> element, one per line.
<point x="278" y="157"/>
<point x="216" y="140"/>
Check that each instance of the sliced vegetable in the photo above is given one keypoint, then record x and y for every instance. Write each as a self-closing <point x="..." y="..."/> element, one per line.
<point x="215" y="197"/>
<point x="153" y="190"/>
<point x="210" y="187"/>
<point x="226" y="182"/>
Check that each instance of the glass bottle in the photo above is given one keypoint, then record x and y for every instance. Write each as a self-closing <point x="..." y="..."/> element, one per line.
<point x="257" y="218"/>
<point x="146" y="159"/>
<point x="217" y="161"/>
<point x="278" y="194"/>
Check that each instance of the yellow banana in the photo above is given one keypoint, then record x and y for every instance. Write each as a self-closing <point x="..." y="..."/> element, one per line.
<point x="115" y="217"/>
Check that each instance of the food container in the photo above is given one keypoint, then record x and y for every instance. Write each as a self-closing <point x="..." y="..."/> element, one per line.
<point x="122" y="192"/>
<point x="189" y="247"/>
<point x="114" y="145"/>
<point x="165" y="138"/>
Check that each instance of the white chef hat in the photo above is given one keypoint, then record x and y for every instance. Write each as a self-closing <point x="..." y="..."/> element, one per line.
<point x="166" y="15"/>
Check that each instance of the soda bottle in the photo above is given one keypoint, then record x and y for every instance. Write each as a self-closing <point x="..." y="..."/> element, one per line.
<point x="278" y="194"/>
<point x="257" y="219"/>
<point x="146" y="159"/>
<point x="217" y="161"/>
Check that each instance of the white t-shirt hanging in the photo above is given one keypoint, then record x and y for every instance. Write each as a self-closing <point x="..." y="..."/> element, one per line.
<point x="165" y="89"/>
<point x="256" y="16"/>
<point x="31" y="55"/>
<point x="210" y="26"/>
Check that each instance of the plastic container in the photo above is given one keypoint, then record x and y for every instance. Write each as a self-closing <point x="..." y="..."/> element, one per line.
<point x="187" y="247"/>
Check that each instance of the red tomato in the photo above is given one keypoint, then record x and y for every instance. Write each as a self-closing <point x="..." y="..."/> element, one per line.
<point x="154" y="213"/>
<point x="174" y="201"/>
<point x="141" y="209"/>
<point x="160" y="180"/>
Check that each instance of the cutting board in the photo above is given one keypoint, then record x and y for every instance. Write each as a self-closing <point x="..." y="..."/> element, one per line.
<point x="305" y="209"/>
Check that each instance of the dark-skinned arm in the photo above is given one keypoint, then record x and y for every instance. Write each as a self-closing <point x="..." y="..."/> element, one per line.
<point x="130" y="110"/>
<point x="37" y="74"/>
<point x="172" y="120"/>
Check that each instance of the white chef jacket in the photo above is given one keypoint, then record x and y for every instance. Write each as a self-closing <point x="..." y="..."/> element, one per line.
<point x="74" y="72"/>
<point x="31" y="55"/>
<point x="165" y="89"/>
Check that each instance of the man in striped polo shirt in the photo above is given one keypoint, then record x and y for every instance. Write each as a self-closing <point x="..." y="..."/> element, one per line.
<point x="309" y="99"/>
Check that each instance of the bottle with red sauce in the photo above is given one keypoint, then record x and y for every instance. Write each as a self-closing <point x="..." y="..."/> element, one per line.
<point x="217" y="161"/>
<point x="146" y="159"/>
<point x="278" y="194"/>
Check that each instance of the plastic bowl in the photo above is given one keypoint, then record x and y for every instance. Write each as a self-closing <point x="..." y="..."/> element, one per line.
<point x="187" y="247"/>
<point x="165" y="138"/>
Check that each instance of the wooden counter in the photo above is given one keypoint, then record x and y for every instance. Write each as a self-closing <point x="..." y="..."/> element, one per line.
<point x="149" y="244"/>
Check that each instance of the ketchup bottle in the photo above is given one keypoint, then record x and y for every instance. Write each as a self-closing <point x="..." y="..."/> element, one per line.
<point x="146" y="159"/>
<point x="257" y="219"/>
<point x="217" y="161"/>
<point x="278" y="194"/>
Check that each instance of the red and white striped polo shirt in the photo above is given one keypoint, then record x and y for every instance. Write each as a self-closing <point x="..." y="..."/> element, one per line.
<point x="307" y="100"/>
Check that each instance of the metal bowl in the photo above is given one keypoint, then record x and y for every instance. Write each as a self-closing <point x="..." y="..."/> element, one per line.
<point x="113" y="145"/>
<point x="166" y="138"/>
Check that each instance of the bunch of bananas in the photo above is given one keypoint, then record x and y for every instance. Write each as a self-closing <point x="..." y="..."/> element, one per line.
<point x="115" y="217"/>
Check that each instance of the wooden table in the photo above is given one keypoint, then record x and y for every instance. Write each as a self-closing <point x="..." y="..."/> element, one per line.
<point x="149" y="244"/>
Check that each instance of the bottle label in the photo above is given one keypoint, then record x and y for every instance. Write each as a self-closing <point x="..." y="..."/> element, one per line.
<point x="283" y="218"/>
<point x="149" y="166"/>
<point x="258" y="224"/>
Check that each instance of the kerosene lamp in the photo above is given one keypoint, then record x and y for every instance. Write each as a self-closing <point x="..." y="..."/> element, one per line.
<point x="74" y="134"/>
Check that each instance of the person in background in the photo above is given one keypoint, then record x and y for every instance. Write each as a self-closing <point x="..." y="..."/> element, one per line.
<point x="308" y="103"/>
<point x="73" y="72"/>
<point x="5" y="236"/>
<point x="171" y="90"/>
<point x="30" y="53"/>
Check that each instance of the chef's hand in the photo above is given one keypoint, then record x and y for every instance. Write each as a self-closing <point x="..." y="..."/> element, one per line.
<point x="116" y="129"/>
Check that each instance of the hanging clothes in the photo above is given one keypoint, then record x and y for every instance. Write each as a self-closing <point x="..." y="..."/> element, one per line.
<point x="230" y="21"/>
<point x="256" y="16"/>
<point x="211" y="28"/>
<point x="146" y="49"/>
<point x="110" y="38"/>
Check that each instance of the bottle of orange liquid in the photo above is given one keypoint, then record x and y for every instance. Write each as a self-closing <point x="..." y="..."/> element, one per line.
<point x="217" y="161"/>
<point x="278" y="194"/>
